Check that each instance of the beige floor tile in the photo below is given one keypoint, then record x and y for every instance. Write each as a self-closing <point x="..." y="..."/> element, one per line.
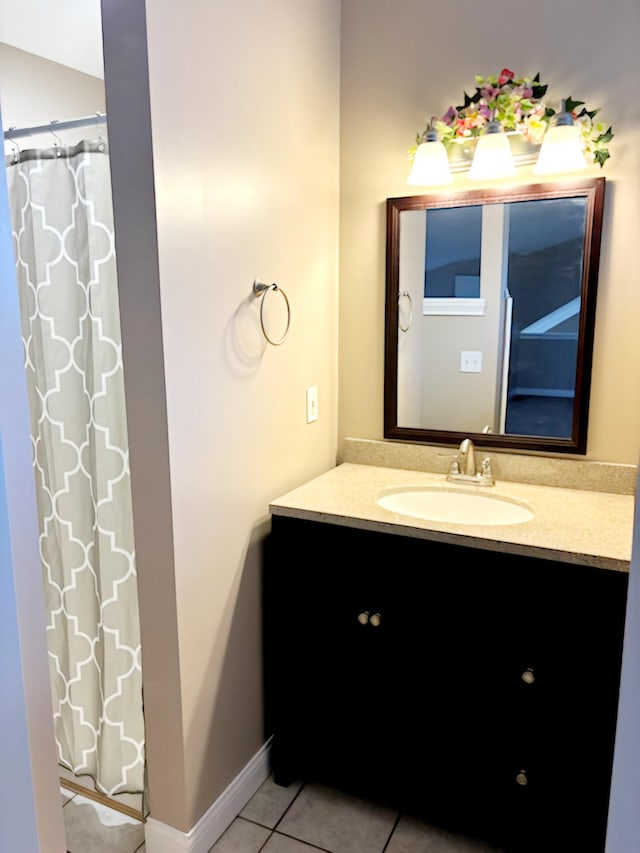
<point x="241" y="837"/>
<point x="415" y="836"/>
<point x="93" y="828"/>
<point x="270" y="802"/>
<point x="338" y="822"/>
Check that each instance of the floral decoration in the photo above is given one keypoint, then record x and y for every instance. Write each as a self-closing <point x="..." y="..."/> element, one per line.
<point x="518" y="103"/>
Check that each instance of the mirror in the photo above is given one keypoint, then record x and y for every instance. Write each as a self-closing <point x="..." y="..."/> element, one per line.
<point x="490" y="313"/>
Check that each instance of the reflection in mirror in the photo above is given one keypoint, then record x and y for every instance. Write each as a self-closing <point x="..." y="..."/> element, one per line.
<point x="490" y="309"/>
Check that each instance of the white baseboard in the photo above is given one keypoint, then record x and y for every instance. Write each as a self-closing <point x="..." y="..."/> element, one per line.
<point x="161" y="838"/>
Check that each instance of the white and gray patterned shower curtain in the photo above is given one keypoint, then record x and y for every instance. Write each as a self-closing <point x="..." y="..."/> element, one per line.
<point x="62" y="223"/>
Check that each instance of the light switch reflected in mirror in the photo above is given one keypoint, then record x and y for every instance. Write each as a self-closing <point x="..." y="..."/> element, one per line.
<point x="503" y="288"/>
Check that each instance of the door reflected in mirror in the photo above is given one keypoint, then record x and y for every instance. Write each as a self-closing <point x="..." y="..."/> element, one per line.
<point x="490" y="310"/>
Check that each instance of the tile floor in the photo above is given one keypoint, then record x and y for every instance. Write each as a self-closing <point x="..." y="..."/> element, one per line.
<point x="298" y="819"/>
<point x="311" y="818"/>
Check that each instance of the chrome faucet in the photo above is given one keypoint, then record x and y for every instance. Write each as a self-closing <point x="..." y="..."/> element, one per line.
<point x="468" y="453"/>
<point x="464" y="468"/>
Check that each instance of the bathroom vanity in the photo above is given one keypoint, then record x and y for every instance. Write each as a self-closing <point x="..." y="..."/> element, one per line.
<point x="465" y="674"/>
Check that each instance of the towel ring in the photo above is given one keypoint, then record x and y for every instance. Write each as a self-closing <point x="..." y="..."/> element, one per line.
<point x="408" y="296"/>
<point x="261" y="289"/>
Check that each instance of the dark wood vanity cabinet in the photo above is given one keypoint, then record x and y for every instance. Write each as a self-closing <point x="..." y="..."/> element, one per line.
<point x="474" y="688"/>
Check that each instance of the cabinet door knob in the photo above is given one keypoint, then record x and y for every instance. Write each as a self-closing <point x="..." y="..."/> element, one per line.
<point x="521" y="778"/>
<point x="528" y="677"/>
<point x="375" y="620"/>
<point x="363" y="617"/>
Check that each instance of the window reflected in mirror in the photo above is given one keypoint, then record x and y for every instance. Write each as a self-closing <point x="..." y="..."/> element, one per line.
<point x="453" y="248"/>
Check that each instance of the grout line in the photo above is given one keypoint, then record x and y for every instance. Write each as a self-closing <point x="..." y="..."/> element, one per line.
<point x="302" y="841"/>
<point x="266" y="841"/>
<point x="393" y="829"/>
<point x="280" y="819"/>
<point x="282" y="834"/>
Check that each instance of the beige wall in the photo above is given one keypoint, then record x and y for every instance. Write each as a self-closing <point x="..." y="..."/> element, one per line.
<point x="34" y="91"/>
<point x="244" y="109"/>
<point x="406" y="60"/>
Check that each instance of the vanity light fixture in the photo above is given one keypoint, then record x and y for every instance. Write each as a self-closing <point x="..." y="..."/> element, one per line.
<point x="562" y="149"/>
<point x="430" y="164"/>
<point x="493" y="159"/>
<point x="507" y="123"/>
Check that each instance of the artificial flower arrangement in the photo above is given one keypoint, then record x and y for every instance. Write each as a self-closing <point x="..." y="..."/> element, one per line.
<point x="517" y="103"/>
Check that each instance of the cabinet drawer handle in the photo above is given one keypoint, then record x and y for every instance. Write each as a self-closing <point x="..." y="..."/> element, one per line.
<point x="363" y="618"/>
<point x="521" y="778"/>
<point x="375" y="620"/>
<point x="528" y="676"/>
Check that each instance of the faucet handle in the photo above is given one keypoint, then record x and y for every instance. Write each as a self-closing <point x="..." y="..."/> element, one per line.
<point x="487" y="473"/>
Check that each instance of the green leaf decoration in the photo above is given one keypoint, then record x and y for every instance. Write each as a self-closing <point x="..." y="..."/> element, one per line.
<point x="570" y="104"/>
<point x="549" y="111"/>
<point x="607" y="136"/>
<point x="536" y="79"/>
<point x="539" y="91"/>
<point x="601" y="156"/>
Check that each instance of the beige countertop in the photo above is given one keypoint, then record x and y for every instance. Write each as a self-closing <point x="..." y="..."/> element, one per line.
<point x="570" y="525"/>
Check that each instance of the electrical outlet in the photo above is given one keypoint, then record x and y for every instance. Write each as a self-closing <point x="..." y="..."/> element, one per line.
<point x="470" y="362"/>
<point x="312" y="403"/>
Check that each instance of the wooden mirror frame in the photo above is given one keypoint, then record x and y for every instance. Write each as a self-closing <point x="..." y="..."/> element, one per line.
<point x="590" y="188"/>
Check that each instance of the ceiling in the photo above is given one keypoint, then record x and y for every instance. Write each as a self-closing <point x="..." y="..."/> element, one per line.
<point x="68" y="31"/>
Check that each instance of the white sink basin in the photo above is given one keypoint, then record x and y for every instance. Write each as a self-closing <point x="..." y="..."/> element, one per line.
<point x="456" y="507"/>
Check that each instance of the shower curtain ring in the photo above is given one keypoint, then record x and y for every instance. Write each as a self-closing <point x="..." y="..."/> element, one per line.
<point x="99" y="119"/>
<point x="58" y="141"/>
<point x="16" y="148"/>
<point x="260" y="289"/>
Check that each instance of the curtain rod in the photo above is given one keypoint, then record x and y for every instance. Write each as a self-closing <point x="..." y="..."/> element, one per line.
<point x="17" y="133"/>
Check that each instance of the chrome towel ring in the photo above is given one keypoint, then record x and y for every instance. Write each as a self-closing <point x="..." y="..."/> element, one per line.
<point x="406" y="327"/>
<point x="261" y="289"/>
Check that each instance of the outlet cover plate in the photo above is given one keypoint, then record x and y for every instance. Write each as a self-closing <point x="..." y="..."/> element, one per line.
<point x="470" y="361"/>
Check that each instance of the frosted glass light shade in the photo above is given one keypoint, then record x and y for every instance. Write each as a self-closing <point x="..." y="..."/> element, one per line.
<point x="430" y="165"/>
<point x="561" y="151"/>
<point x="492" y="159"/>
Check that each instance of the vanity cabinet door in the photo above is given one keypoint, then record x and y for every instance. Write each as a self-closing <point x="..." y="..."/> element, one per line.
<point x="471" y="766"/>
<point x="343" y="695"/>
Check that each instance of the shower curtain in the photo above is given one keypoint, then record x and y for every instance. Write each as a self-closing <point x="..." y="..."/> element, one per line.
<point x="62" y="220"/>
